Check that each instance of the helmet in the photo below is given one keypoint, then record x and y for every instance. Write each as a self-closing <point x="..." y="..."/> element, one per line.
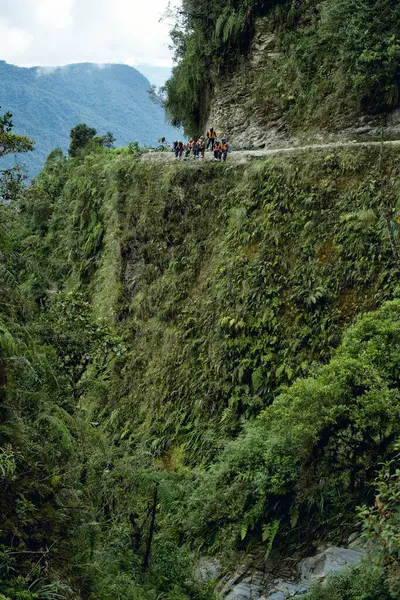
<point x="202" y="137"/>
<point x="223" y="139"/>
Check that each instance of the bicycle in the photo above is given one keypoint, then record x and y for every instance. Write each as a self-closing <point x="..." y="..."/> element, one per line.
<point x="162" y="148"/>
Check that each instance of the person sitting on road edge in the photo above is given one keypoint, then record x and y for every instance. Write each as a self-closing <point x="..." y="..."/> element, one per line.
<point x="190" y="148"/>
<point x="201" y="147"/>
<point x="179" y="149"/>
<point x="211" y="138"/>
<point x="217" y="149"/>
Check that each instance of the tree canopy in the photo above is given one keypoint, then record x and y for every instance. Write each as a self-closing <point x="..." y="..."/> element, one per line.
<point x="9" y="142"/>
<point x="84" y="137"/>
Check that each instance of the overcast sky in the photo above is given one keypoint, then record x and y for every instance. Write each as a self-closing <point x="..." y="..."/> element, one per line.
<point x="58" y="32"/>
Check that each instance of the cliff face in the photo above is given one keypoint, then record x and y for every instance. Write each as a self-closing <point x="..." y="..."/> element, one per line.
<point x="235" y="111"/>
<point x="252" y="108"/>
<point x="229" y="396"/>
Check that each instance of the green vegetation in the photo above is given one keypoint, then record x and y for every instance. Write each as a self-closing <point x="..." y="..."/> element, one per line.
<point x="353" y="584"/>
<point x="63" y="534"/>
<point x="197" y="359"/>
<point x="9" y="142"/>
<point x="307" y="457"/>
<point x="84" y="137"/>
<point x="338" y="58"/>
<point x="204" y="359"/>
<point x="208" y="36"/>
<point x="11" y="178"/>
<point x="381" y="526"/>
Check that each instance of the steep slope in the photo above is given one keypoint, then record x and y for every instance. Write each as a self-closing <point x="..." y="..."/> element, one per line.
<point x="245" y="390"/>
<point x="48" y="102"/>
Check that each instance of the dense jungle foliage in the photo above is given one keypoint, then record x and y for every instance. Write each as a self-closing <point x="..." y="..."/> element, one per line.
<point x="333" y="58"/>
<point x="196" y="359"/>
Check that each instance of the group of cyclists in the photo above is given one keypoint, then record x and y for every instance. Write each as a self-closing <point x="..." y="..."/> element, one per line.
<point x="198" y="147"/>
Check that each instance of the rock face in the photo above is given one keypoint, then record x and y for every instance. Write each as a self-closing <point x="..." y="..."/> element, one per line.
<point x="250" y="121"/>
<point x="250" y="587"/>
<point x="248" y="583"/>
<point x="235" y="112"/>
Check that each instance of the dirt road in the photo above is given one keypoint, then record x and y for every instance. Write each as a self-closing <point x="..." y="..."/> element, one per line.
<point x="239" y="156"/>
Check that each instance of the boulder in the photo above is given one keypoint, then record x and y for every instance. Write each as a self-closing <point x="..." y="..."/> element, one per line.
<point x="332" y="559"/>
<point x="249" y="584"/>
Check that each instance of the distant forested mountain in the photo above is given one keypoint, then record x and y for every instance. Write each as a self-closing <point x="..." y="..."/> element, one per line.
<point x="47" y="102"/>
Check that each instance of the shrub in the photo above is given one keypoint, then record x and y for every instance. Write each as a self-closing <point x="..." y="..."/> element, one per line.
<point x="359" y="583"/>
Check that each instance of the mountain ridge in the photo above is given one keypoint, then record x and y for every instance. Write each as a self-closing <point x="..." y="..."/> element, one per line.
<point x="47" y="102"/>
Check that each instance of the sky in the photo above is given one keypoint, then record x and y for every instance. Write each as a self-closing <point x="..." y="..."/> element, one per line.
<point x="59" y="32"/>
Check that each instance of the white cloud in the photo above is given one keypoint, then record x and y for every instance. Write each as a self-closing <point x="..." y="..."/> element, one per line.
<point x="54" y="13"/>
<point x="13" y="41"/>
<point x="42" y="71"/>
<point x="134" y="61"/>
<point x="58" y="32"/>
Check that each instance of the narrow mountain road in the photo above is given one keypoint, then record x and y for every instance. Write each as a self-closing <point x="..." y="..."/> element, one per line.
<point x="240" y="156"/>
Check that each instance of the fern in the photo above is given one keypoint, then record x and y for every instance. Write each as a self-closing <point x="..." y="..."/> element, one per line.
<point x="361" y="220"/>
<point x="220" y="24"/>
<point x="233" y="25"/>
<point x="7" y="463"/>
<point x="7" y="278"/>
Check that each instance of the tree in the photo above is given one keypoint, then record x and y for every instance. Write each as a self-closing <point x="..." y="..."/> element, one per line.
<point x="11" y="183"/>
<point x="11" y="180"/>
<point x="10" y="142"/>
<point x="106" y="141"/>
<point x="158" y="96"/>
<point x="80" y="136"/>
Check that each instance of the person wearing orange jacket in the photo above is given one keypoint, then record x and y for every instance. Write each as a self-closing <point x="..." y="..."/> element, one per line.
<point x="221" y="149"/>
<point x="217" y="147"/>
<point x="190" y="148"/>
<point x="211" y="138"/>
<point x="224" y="149"/>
